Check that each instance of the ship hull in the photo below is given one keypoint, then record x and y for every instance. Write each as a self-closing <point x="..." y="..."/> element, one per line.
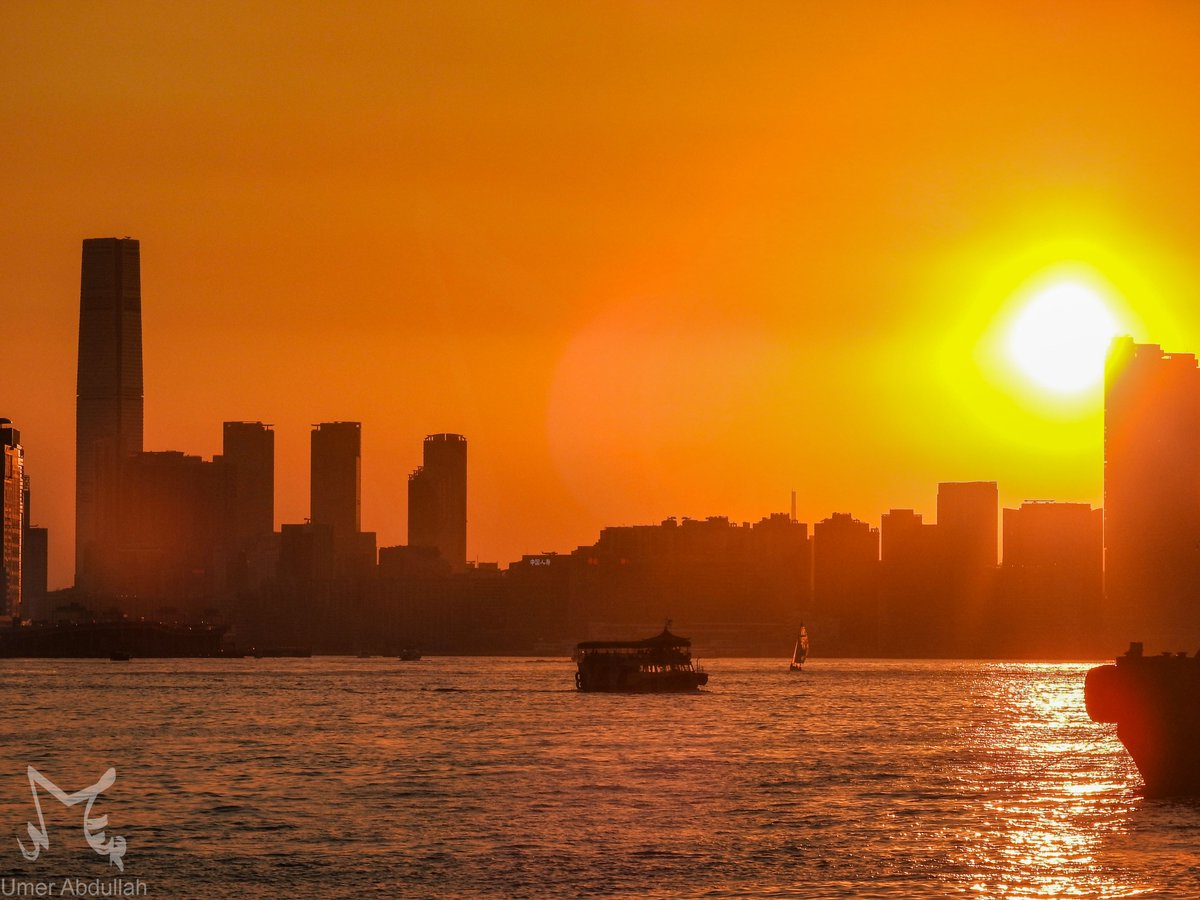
<point x="624" y="681"/>
<point x="1155" y="703"/>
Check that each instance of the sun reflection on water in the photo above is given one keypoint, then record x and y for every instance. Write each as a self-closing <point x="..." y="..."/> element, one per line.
<point x="1052" y="787"/>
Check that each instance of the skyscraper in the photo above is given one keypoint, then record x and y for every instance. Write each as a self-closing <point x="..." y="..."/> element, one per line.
<point x="846" y="583"/>
<point x="12" y="520"/>
<point x="437" y="499"/>
<point x="335" y="481"/>
<point x="248" y="448"/>
<point x="35" y="559"/>
<point x="1152" y="494"/>
<point x="108" y="407"/>
<point x="967" y="516"/>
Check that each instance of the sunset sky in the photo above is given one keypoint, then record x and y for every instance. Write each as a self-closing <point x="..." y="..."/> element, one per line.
<point x="651" y="258"/>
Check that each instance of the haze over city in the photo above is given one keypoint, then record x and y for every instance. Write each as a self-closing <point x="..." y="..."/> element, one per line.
<point x="653" y="260"/>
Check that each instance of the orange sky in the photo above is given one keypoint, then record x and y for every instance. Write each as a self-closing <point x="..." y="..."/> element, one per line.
<point x="651" y="258"/>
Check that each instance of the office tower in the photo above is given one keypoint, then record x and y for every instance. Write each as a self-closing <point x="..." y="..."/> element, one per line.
<point x="913" y="587"/>
<point x="1152" y="495"/>
<point x="174" y="507"/>
<point x="846" y="584"/>
<point x="13" y="522"/>
<point x="248" y="449"/>
<point x="1051" y="534"/>
<point x="108" y="407"/>
<point x="336" y="476"/>
<point x="437" y="499"/>
<point x="35" y="562"/>
<point x="336" y="492"/>
<point x="967" y="513"/>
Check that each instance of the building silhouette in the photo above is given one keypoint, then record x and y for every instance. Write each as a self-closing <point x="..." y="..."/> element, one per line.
<point x="336" y="495"/>
<point x="968" y="514"/>
<point x="108" y="408"/>
<point x="336" y="476"/>
<point x="846" y="585"/>
<point x="1151" y="494"/>
<point x="1049" y="590"/>
<point x="914" y="599"/>
<point x="175" y="511"/>
<point x="35" y="562"/>
<point x="248" y="449"/>
<point x="437" y="499"/>
<point x="13" y="521"/>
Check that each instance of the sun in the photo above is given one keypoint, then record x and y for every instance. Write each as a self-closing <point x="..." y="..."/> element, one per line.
<point x="1060" y="337"/>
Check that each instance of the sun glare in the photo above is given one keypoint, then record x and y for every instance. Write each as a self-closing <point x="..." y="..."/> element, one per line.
<point x="1059" y="338"/>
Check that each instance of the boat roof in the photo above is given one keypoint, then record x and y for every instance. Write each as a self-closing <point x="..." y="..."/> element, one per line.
<point x="665" y="639"/>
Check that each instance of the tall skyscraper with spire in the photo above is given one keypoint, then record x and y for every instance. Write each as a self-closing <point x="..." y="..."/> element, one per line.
<point x="109" y="399"/>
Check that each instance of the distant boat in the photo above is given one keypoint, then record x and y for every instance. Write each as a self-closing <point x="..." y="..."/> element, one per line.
<point x="800" y="651"/>
<point x="659" y="664"/>
<point x="120" y="656"/>
<point x="409" y="655"/>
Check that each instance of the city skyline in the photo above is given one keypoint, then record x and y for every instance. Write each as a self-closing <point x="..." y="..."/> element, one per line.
<point x="96" y="270"/>
<point x="650" y="261"/>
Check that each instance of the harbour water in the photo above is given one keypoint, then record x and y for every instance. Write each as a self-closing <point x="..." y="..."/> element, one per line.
<point x="481" y="777"/>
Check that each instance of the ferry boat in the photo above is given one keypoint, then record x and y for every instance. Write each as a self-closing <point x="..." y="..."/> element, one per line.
<point x="659" y="664"/>
<point x="800" y="651"/>
<point x="1155" y="703"/>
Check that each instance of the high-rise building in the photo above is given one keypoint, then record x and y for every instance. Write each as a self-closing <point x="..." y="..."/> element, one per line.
<point x="174" y="509"/>
<point x="846" y="584"/>
<point x="35" y="562"/>
<point x="108" y="407"/>
<point x="336" y="476"/>
<point x="1152" y="494"/>
<point x="248" y="449"/>
<point x="1050" y="583"/>
<point x="913" y="596"/>
<point x="967" y="516"/>
<point x="13" y="520"/>
<point x="336" y="498"/>
<point x="437" y="499"/>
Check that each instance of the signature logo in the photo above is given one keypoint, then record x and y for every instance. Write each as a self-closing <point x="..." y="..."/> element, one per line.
<point x="93" y="827"/>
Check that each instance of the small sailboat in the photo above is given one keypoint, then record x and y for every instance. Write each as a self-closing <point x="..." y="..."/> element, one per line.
<point x="800" y="652"/>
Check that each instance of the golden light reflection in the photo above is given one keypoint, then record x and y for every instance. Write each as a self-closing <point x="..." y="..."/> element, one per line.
<point x="1054" y="787"/>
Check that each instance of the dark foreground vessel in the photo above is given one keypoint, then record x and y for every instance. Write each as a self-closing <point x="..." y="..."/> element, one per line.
<point x="659" y="664"/>
<point x="1155" y="702"/>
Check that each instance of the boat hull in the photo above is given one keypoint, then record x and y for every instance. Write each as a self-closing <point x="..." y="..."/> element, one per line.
<point x="1155" y="703"/>
<point x="631" y="681"/>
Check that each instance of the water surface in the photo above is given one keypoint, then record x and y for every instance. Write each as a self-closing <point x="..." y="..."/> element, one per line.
<point x="487" y="777"/>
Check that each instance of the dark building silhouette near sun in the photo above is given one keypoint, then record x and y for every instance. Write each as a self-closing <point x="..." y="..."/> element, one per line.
<point x="108" y="409"/>
<point x="437" y="499"/>
<point x="1050" y="580"/>
<point x="1152" y="493"/>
